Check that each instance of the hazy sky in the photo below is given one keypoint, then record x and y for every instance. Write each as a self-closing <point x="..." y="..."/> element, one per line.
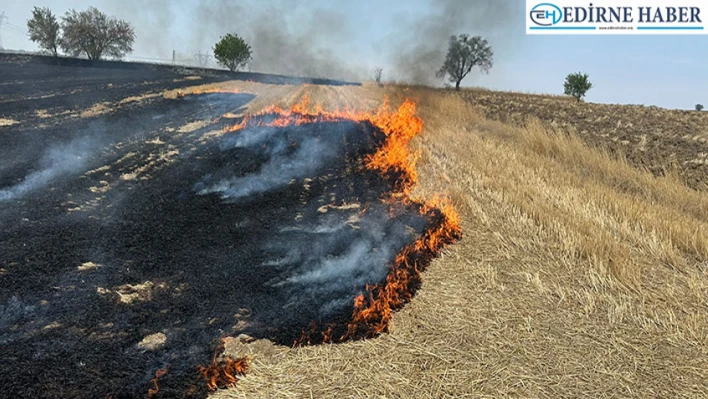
<point x="344" y="39"/>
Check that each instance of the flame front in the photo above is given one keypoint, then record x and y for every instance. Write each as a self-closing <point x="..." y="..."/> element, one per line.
<point x="373" y="310"/>
<point x="224" y="373"/>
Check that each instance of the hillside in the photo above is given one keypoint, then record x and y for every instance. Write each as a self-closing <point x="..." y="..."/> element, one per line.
<point x="148" y="216"/>
<point x="577" y="276"/>
<point x="660" y="140"/>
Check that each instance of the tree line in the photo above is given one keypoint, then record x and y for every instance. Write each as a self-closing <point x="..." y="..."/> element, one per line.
<point x="90" y="33"/>
<point x="95" y="35"/>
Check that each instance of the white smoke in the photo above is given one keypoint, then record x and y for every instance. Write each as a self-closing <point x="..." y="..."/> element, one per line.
<point x="283" y="166"/>
<point x="56" y="162"/>
<point x="336" y="257"/>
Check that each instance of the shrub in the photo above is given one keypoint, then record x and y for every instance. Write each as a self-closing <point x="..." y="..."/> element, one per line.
<point x="577" y="84"/>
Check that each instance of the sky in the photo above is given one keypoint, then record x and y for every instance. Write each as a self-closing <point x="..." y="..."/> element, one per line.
<point x="407" y="38"/>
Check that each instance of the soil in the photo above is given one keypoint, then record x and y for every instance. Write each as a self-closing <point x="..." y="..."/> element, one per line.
<point x="651" y="138"/>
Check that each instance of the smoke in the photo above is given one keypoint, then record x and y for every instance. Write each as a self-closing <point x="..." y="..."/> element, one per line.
<point x="332" y="40"/>
<point x="427" y="43"/>
<point x="282" y="43"/>
<point x="57" y="161"/>
<point x="290" y="156"/>
<point x="336" y="257"/>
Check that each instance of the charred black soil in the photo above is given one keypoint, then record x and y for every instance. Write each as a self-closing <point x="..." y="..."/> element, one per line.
<point x="130" y="245"/>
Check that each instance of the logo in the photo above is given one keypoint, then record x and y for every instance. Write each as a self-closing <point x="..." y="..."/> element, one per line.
<point x="546" y="14"/>
<point x="617" y="17"/>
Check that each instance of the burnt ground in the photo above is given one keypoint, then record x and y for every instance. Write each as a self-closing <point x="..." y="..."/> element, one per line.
<point x="131" y="244"/>
<point x="25" y="59"/>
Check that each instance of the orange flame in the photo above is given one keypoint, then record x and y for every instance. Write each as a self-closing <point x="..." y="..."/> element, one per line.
<point x="224" y="373"/>
<point x="372" y="312"/>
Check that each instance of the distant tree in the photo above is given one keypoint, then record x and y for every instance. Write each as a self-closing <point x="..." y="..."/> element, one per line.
<point x="699" y="107"/>
<point x="577" y="84"/>
<point x="95" y="34"/>
<point x="232" y="52"/>
<point x="463" y="54"/>
<point x="378" y="71"/>
<point x="43" y="29"/>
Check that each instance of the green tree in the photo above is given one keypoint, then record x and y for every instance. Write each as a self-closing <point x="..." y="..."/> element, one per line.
<point x="699" y="107"/>
<point x="43" y="29"/>
<point x="463" y="54"/>
<point x="232" y="52"/>
<point x="95" y="34"/>
<point x="577" y="84"/>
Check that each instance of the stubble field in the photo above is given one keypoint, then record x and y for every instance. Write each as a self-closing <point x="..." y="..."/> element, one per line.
<point x="578" y="274"/>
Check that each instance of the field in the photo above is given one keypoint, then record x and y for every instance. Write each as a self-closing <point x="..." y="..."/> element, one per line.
<point x="659" y="140"/>
<point x="578" y="274"/>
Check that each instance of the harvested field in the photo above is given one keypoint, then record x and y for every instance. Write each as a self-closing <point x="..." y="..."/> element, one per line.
<point x="142" y="231"/>
<point x="577" y="274"/>
<point x="657" y="139"/>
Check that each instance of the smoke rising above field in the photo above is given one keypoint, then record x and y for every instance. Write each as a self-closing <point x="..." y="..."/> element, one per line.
<point x="337" y="257"/>
<point x="284" y="165"/>
<point x="57" y="161"/>
<point x="427" y="39"/>
<point x="325" y="40"/>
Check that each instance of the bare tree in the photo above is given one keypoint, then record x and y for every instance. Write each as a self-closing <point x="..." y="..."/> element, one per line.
<point x="95" y="34"/>
<point x="43" y="29"/>
<point x="378" y="71"/>
<point x="463" y="54"/>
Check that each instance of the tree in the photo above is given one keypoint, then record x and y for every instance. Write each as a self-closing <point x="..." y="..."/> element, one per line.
<point x="44" y="30"/>
<point x="95" y="34"/>
<point x="463" y="54"/>
<point x="699" y="107"/>
<point x="577" y="84"/>
<point x="232" y="52"/>
<point x="377" y="75"/>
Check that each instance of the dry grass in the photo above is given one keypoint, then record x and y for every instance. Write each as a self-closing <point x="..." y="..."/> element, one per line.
<point x="654" y="138"/>
<point x="578" y="274"/>
<point x="7" y="122"/>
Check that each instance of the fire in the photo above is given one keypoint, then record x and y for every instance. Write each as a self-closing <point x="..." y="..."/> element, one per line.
<point x="224" y="373"/>
<point x="373" y="310"/>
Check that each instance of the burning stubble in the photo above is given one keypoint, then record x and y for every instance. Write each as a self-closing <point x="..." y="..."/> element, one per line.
<point x="339" y="243"/>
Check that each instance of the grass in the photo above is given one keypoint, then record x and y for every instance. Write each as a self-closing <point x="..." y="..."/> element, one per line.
<point x="656" y="139"/>
<point x="579" y="275"/>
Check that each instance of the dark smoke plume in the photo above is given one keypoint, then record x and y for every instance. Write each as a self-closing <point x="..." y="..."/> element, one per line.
<point x="426" y="40"/>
